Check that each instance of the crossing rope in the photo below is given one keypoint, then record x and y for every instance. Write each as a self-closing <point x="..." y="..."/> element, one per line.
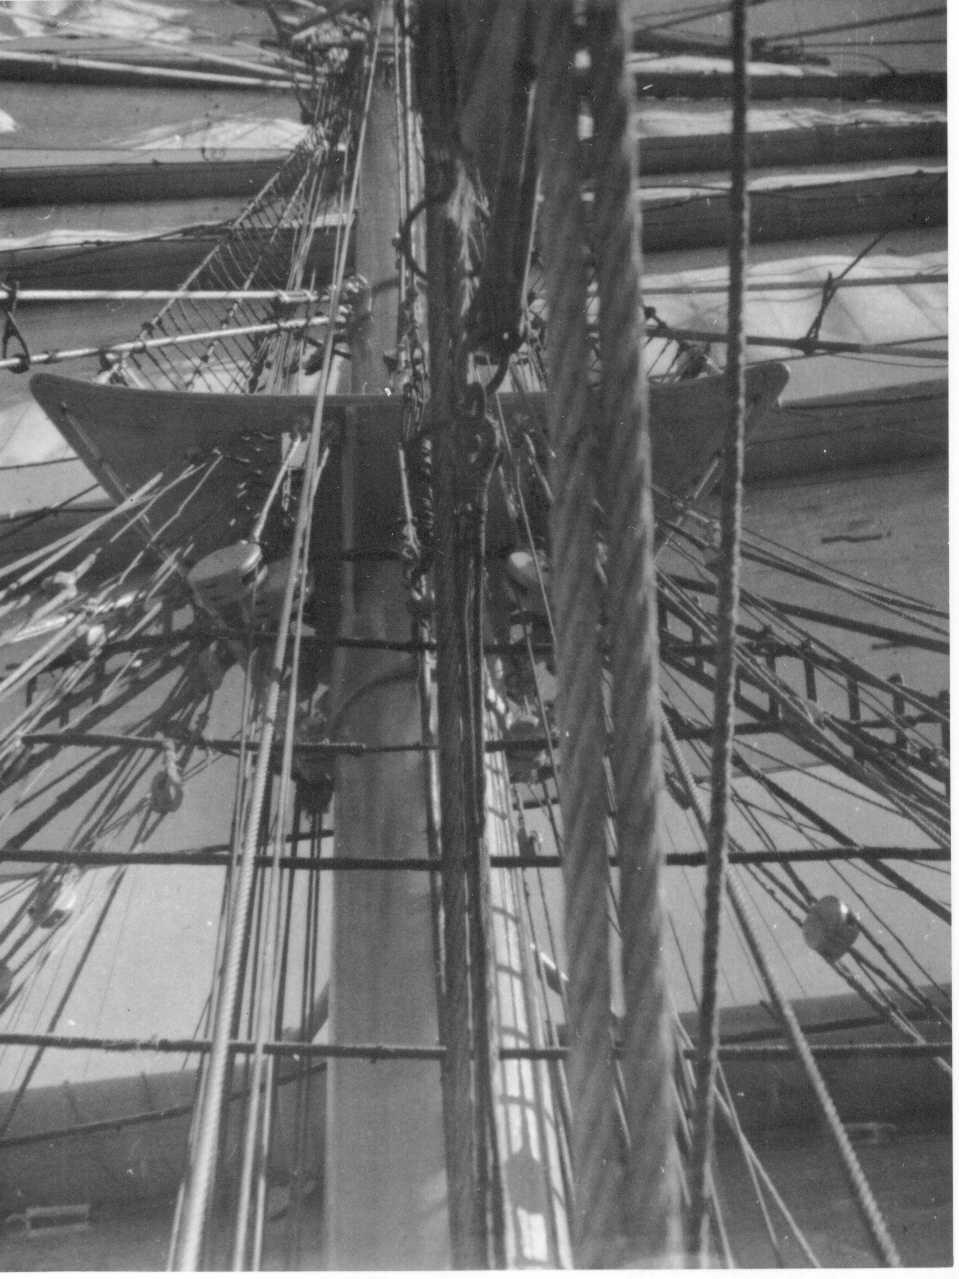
<point x="596" y="1221"/>
<point x="651" y="1188"/>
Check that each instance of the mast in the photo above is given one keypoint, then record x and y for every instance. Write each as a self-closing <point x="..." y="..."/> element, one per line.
<point x="384" y="1167"/>
<point x="388" y="1179"/>
<point x="422" y="1170"/>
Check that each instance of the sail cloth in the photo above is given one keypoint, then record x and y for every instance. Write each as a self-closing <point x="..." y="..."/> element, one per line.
<point x="81" y="117"/>
<point x="896" y="294"/>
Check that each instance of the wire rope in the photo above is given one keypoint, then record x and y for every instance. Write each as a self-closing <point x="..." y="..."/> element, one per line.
<point x="651" y="1216"/>
<point x="726" y="655"/>
<point x="191" y="1229"/>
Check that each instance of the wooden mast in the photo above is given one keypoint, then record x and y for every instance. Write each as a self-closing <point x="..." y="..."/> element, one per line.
<point x="385" y="1175"/>
<point x="386" y="1179"/>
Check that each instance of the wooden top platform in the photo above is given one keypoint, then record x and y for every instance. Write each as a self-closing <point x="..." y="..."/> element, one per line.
<point x="127" y="436"/>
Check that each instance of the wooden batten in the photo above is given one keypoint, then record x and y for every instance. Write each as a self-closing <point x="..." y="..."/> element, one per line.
<point x="840" y="432"/>
<point x="851" y="141"/>
<point x="797" y="206"/>
<point x="107" y="66"/>
<point x="111" y="176"/>
<point x="711" y="77"/>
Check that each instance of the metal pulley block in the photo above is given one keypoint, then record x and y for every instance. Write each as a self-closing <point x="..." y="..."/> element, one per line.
<point x="530" y="843"/>
<point x="316" y="795"/>
<point x="421" y="600"/>
<point x="228" y="577"/>
<point x="90" y="640"/>
<point x="267" y="600"/>
<point x="310" y="766"/>
<point x="830" y="927"/>
<point x="62" y="584"/>
<point x="528" y="573"/>
<point x="212" y="664"/>
<point x="166" y="789"/>
<point x="524" y="758"/>
<point x="54" y="900"/>
<point x="166" y="793"/>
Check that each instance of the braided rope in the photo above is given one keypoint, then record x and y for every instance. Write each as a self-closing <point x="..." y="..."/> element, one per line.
<point x="651" y="1188"/>
<point x="596" y="1223"/>
<point x="728" y="613"/>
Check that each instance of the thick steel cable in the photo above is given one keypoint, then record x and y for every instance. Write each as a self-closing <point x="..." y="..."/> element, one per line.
<point x="202" y="1164"/>
<point x="596" y="1220"/>
<point x="728" y="610"/>
<point x="651" y="1187"/>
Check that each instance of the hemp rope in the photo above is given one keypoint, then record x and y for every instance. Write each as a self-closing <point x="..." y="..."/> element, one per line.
<point x="728" y="615"/>
<point x="596" y="1225"/>
<point x="651" y="1195"/>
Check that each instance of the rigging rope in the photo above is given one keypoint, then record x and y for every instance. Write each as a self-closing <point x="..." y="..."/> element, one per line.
<point x="651" y="1194"/>
<point x="264" y="997"/>
<point x="728" y="608"/>
<point x="596" y="1216"/>
<point x="865" y="1202"/>
<point x="254" y="254"/>
<point x="203" y="1156"/>
<point x="117" y="880"/>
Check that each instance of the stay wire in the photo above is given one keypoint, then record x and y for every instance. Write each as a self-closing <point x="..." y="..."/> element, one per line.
<point x="189" y="1244"/>
<point x="726" y="656"/>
